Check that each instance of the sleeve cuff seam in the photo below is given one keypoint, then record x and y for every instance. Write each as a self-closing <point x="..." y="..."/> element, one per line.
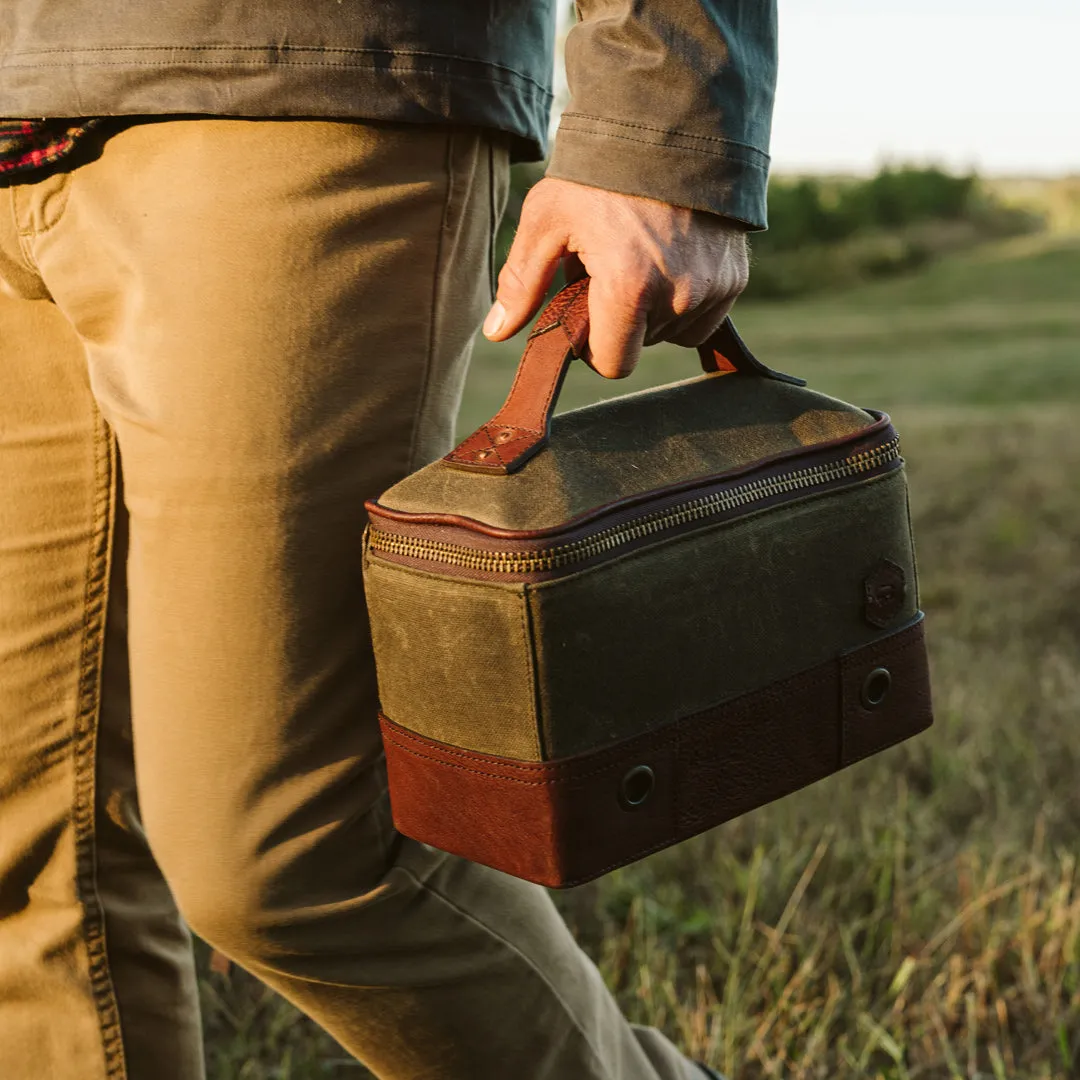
<point x="750" y="155"/>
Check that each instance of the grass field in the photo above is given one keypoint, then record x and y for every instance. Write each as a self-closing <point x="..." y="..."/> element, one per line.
<point x="917" y="916"/>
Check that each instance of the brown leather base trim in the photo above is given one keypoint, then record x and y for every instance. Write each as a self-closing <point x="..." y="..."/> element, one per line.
<point x="561" y="823"/>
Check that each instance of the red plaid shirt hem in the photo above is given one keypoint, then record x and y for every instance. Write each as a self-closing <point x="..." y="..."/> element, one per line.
<point x="31" y="144"/>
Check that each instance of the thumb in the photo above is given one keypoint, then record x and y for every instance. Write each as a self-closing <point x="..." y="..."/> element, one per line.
<point x="526" y="275"/>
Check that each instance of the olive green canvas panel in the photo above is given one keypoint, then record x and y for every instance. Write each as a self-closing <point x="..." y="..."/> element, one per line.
<point x="454" y="659"/>
<point x="692" y="429"/>
<point x="741" y="605"/>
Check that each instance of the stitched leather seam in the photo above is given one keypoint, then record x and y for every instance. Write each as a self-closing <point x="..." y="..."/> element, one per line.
<point x="554" y="384"/>
<point x="396" y="734"/>
<point x="563" y="778"/>
<point x="515" y="427"/>
<point x="494" y="776"/>
<point x="463" y="453"/>
<point x="810" y="681"/>
<point x="616" y="757"/>
<point x="493" y="448"/>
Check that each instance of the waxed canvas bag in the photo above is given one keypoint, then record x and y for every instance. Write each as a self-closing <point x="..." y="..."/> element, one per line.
<point x="601" y="633"/>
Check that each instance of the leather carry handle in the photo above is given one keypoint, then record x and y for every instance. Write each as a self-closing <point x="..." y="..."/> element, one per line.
<point x="519" y="430"/>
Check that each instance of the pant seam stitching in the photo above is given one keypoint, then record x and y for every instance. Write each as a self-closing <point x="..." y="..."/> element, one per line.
<point x="64" y="194"/>
<point x="23" y="236"/>
<point x="85" y="753"/>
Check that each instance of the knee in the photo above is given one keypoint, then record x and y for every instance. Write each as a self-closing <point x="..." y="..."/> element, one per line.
<point x="256" y="893"/>
<point x="221" y="892"/>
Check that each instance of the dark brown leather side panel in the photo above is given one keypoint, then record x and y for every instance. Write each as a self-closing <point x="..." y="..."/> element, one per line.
<point x="560" y="823"/>
<point x="758" y="748"/>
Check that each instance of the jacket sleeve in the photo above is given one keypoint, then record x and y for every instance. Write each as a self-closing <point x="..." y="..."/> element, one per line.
<point x="672" y="99"/>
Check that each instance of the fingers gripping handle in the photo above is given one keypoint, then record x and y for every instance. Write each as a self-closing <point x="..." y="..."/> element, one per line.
<point x="519" y="430"/>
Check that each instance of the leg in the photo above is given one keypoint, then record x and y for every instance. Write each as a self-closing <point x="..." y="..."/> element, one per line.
<point x="277" y="317"/>
<point x="96" y="975"/>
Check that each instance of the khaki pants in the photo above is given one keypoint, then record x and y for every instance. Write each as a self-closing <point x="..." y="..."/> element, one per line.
<point x="216" y="340"/>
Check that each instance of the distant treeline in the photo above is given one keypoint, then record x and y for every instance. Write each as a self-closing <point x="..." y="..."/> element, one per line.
<point x="827" y="233"/>
<point x="814" y="211"/>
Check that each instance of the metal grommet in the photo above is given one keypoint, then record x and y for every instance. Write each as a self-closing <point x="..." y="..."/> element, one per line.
<point x="636" y="787"/>
<point x="482" y="455"/>
<point x="875" y="687"/>
<point x="505" y="435"/>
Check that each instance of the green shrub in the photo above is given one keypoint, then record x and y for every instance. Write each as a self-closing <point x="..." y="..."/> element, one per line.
<point x="826" y="234"/>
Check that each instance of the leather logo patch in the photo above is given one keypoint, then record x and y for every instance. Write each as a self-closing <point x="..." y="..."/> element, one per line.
<point x="884" y="590"/>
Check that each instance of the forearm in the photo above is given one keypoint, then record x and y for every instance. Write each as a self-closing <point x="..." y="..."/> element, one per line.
<point x="672" y="99"/>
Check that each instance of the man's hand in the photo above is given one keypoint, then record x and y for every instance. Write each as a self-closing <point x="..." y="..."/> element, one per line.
<point x="659" y="272"/>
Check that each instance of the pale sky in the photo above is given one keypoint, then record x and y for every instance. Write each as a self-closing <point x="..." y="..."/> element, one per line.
<point x="984" y="83"/>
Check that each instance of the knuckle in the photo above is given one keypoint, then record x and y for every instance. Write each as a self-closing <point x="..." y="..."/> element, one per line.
<point x="511" y="284"/>
<point x="740" y="270"/>
<point x="688" y="294"/>
<point x="742" y="277"/>
<point x="631" y="298"/>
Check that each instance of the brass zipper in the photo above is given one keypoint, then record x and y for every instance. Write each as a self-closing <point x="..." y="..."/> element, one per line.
<point x="689" y="512"/>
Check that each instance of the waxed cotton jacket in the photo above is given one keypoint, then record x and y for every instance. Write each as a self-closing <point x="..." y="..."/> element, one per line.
<point x="669" y="98"/>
